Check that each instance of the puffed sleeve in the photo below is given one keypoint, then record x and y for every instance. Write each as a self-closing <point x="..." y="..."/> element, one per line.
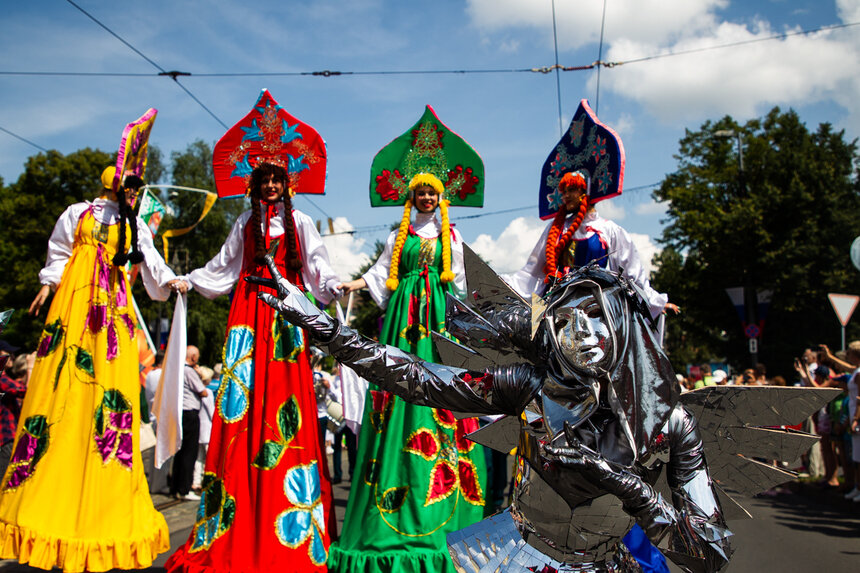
<point x="529" y="279"/>
<point x="317" y="273"/>
<point x="153" y="270"/>
<point x="218" y="276"/>
<point x="378" y="274"/>
<point x="457" y="266"/>
<point x="624" y="256"/>
<point x="60" y="245"/>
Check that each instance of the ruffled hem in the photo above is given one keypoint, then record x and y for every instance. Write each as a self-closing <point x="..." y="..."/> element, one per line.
<point x="183" y="562"/>
<point x="35" y="549"/>
<point x="417" y="561"/>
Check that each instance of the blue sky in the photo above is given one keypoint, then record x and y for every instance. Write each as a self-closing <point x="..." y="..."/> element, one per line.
<point x="511" y="119"/>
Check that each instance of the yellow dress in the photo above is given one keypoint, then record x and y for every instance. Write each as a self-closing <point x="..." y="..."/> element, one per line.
<point x="75" y="495"/>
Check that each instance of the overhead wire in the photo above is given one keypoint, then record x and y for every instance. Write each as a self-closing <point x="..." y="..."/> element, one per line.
<point x="336" y="73"/>
<point x="16" y="136"/>
<point x="600" y="58"/>
<point x="557" y="71"/>
<point x="375" y="228"/>
<point x="162" y="71"/>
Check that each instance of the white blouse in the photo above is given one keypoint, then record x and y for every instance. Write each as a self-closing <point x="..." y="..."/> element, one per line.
<point x="218" y="276"/>
<point x="622" y="254"/>
<point x="426" y="226"/>
<point x="153" y="270"/>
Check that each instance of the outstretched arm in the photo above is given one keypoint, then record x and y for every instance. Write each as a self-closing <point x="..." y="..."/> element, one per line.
<point x="502" y="391"/>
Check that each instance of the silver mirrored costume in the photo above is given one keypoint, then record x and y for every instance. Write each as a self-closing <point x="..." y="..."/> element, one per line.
<point x="592" y="404"/>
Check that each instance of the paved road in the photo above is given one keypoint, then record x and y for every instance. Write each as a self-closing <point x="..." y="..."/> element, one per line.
<point x="805" y="531"/>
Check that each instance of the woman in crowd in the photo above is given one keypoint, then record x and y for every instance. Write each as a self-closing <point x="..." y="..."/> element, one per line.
<point x="266" y="497"/>
<point x="418" y="478"/>
<point x="75" y="495"/>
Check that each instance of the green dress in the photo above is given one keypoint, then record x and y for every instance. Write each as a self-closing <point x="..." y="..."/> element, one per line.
<point x="417" y="477"/>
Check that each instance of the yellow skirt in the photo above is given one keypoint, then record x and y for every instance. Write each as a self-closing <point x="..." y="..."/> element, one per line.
<point x="75" y="495"/>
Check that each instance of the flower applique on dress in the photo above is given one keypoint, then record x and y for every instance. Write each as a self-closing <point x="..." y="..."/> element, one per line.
<point x="238" y="375"/>
<point x="305" y="521"/>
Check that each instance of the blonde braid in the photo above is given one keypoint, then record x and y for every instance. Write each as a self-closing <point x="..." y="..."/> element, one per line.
<point x="392" y="282"/>
<point x="447" y="275"/>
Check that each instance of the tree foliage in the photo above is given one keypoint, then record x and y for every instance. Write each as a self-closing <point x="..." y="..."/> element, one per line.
<point x="785" y="223"/>
<point x="29" y="208"/>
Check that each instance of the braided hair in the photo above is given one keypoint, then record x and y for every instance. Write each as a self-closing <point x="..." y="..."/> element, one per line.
<point x="127" y="217"/>
<point x="260" y="174"/>
<point x="555" y="245"/>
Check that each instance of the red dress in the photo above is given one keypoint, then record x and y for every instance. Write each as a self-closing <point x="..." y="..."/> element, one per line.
<point x="266" y="500"/>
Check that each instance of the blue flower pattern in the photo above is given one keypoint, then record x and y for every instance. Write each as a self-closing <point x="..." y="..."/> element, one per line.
<point x="238" y="375"/>
<point x="306" y="519"/>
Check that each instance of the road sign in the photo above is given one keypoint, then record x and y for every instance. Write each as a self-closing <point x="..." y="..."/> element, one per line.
<point x="752" y="331"/>
<point x="843" y="305"/>
<point x="753" y="345"/>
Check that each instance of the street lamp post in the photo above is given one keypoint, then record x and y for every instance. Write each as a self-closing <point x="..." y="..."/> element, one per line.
<point x="750" y="297"/>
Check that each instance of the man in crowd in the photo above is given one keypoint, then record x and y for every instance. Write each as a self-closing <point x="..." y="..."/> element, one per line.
<point x="183" y="461"/>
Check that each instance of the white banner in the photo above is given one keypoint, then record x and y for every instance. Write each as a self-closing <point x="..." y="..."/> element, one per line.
<point x="354" y="389"/>
<point x="168" y="397"/>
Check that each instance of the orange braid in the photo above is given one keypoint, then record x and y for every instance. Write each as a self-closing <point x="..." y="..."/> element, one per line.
<point x="555" y="245"/>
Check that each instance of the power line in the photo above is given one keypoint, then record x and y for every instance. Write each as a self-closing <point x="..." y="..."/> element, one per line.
<point x="317" y="207"/>
<point x="600" y="58"/>
<point x="173" y="74"/>
<point x="337" y="73"/>
<point x="557" y="72"/>
<point x="730" y="45"/>
<point x="16" y="136"/>
<point x="115" y="35"/>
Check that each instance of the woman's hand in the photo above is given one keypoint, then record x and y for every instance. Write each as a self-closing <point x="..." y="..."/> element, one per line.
<point x="351" y="286"/>
<point x="671" y="307"/>
<point x="40" y="299"/>
<point x="178" y="285"/>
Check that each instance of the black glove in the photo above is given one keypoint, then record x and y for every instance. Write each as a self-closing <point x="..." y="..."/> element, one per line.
<point x="297" y="308"/>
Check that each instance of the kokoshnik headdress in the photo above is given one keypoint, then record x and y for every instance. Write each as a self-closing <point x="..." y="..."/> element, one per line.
<point x="428" y="154"/>
<point x="128" y="173"/>
<point x="588" y="156"/>
<point x="270" y="135"/>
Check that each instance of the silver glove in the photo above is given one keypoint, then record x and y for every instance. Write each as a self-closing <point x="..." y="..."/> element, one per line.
<point x="297" y="308"/>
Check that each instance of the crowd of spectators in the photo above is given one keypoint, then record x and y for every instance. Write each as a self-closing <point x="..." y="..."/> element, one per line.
<point x="835" y="460"/>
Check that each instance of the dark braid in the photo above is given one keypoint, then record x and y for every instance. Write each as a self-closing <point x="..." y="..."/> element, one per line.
<point x="120" y="258"/>
<point x="257" y="222"/>
<point x="293" y="260"/>
<point x="135" y="256"/>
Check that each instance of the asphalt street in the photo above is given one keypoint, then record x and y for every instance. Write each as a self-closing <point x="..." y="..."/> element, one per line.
<point x="802" y="528"/>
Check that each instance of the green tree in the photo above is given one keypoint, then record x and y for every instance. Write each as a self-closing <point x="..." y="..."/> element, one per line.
<point x="29" y="208"/>
<point x="785" y="224"/>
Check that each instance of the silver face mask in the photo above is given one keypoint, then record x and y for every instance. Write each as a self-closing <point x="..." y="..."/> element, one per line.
<point x="581" y="332"/>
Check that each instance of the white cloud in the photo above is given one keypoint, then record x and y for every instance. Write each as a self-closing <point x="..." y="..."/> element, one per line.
<point x="647" y="249"/>
<point x="578" y="23"/>
<point x="610" y="209"/>
<point x="344" y="250"/>
<point x="511" y="249"/>
<point x="650" y="208"/>
<point x="741" y="81"/>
